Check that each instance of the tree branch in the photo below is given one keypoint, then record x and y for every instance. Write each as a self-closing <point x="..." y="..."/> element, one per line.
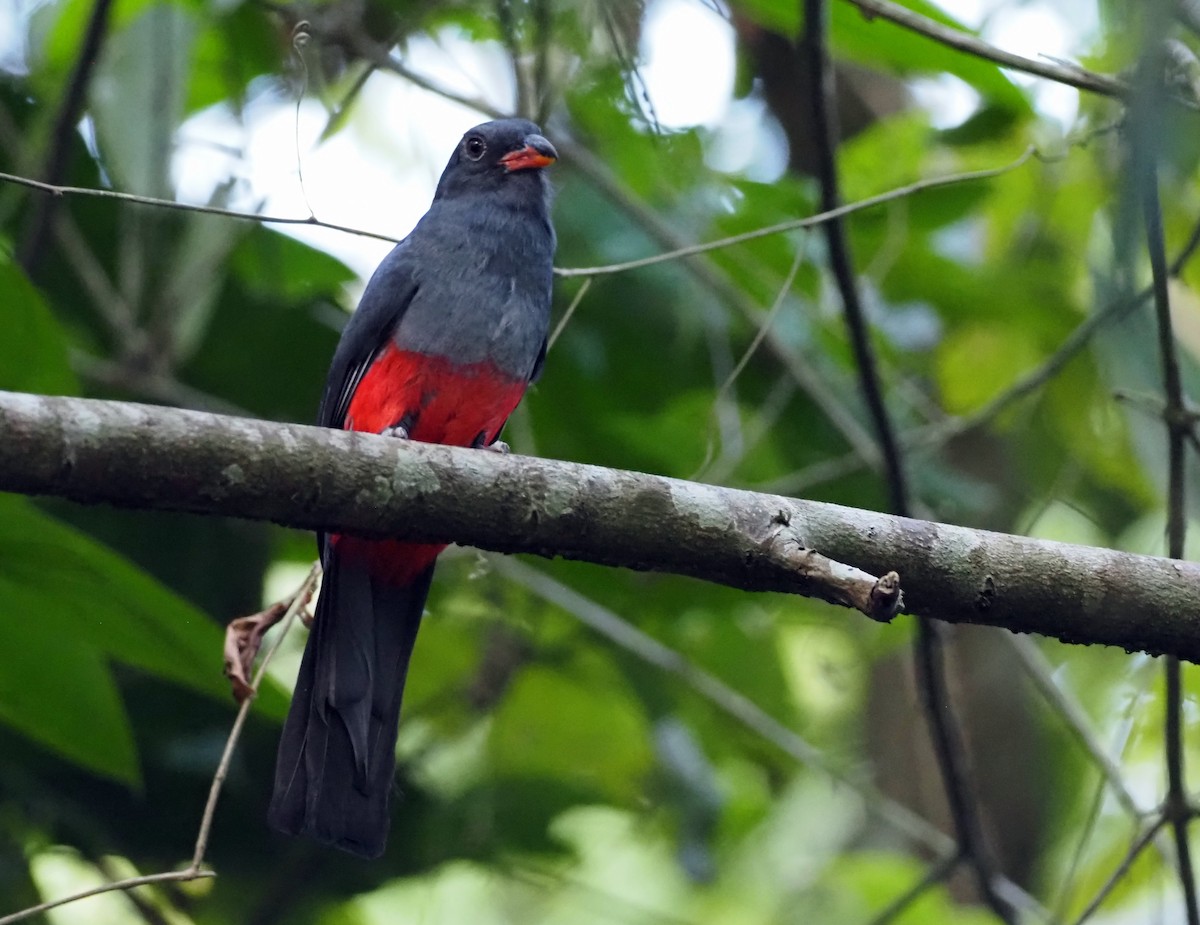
<point x="1071" y="75"/>
<point x="308" y="477"/>
<point x="150" y="457"/>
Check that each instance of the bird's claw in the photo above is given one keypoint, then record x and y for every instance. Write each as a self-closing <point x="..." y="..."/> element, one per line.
<point x="496" y="446"/>
<point x="399" y="431"/>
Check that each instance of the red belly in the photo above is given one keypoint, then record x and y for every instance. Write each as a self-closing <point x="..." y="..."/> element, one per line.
<point x="447" y="404"/>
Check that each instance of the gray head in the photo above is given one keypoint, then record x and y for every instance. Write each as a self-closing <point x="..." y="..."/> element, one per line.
<point x="506" y="156"/>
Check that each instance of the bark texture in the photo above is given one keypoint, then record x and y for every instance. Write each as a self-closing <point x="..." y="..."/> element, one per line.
<point x="151" y="457"/>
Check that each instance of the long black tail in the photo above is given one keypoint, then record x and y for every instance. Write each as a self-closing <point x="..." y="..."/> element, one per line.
<point x="337" y="756"/>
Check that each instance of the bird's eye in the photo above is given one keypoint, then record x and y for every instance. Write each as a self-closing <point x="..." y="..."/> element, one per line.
<point x="475" y="147"/>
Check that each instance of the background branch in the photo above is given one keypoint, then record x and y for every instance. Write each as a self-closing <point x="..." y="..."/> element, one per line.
<point x="1072" y="76"/>
<point x="1145" y="191"/>
<point x="929" y="652"/>
<point x="66" y="124"/>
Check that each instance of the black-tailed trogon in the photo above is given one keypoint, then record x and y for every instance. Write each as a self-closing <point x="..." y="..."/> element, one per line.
<point x="450" y="331"/>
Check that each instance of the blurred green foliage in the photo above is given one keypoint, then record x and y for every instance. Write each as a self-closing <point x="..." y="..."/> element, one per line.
<point x="547" y="773"/>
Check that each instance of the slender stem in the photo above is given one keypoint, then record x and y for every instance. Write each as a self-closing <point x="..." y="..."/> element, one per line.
<point x="58" y="160"/>
<point x="728" y="700"/>
<point x="185" y="206"/>
<point x="796" y="224"/>
<point x="567" y="315"/>
<point x="726" y="386"/>
<point x="935" y="875"/>
<point x="297" y="602"/>
<point x="1144" y="155"/>
<point x="825" y="130"/>
<point x="948" y="745"/>
<point x="1122" y="870"/>
<point x="130" y="883"/>
<point x="1040" y="673"/>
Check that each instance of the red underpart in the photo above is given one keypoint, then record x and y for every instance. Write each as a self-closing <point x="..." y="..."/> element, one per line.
<point x="445" y="403"/>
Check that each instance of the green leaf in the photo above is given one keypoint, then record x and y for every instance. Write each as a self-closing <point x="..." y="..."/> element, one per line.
<point x="70" y="606"/>
<point x="594" y="736"/>
<point x="59" y="691"/>
<point x="137" y="96"/>
<point x="199" y="262"/>
<point x="33" y="350"/>
<point x="880" y="44"/>
<point x="979" y="362"/>
<point x="235" y="46"/>
<point x="872" y="881"/>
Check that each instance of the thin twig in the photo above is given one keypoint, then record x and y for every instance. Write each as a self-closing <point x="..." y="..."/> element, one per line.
<point x="1177" y="417"/>
<point x="931" y="436"/>
<point x="55" y="190"/>
<point x="825" y="130"/>
<point x="1122" y="870"/>
<point x="558" y="328"/>
<point x="950" y="750"/>
<point x="130" y="883"/>
<point x="1082" y="836"/>
<point x="505" y="16"/>
<point x="825" y="216"/>
<point x="1124" y="731"/>
<point x="727" y="699"/>
<point x="298" y="600"/>
<point x="1039" y="672"/>
<point x="543" y="21"/>
<point x="194" y="870"/>
<point x="935" y="875"/>
<point x="740" y="708"/>
<point x="300" y="40"/>
<point x="1071" y="75"/>
<point x="379" y="55"/>
<point x="763" y="329"/>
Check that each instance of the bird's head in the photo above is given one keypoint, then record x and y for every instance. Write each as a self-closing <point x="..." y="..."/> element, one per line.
<point x="507" y="154"/>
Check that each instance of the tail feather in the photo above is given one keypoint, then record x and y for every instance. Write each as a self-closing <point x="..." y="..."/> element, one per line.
<point x="337" y="755"/>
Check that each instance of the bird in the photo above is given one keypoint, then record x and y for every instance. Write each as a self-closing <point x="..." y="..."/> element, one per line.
<point x="449" y="333"/>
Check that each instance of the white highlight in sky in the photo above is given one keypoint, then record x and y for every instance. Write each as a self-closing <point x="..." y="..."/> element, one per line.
<point x="377" y="173"/>
<point x="948" y="100"/>
<point x="687" y="63"/>
<point x="1041" y="32"/>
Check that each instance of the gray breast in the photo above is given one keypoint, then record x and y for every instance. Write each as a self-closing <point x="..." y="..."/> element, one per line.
<point x="483" y="288"/>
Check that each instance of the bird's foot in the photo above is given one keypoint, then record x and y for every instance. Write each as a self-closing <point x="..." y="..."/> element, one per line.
<point x="496" y="446"/>
<point x="399" y="431"/>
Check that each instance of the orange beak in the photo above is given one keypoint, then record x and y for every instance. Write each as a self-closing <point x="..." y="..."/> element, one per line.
<point x="537" y="153"/>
